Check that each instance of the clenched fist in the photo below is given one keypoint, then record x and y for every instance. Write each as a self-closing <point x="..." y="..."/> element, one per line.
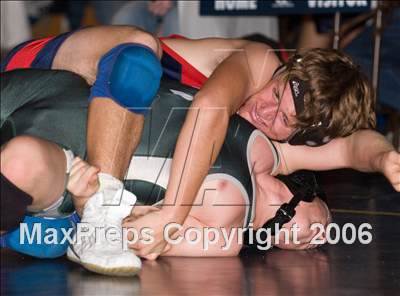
<point x="390" y="167"/>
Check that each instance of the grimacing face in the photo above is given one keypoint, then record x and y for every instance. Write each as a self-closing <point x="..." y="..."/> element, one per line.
<point x="271" y="110"/>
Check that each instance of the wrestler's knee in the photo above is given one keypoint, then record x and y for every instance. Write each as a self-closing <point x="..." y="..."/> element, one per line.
<point x="22" y="160"/>
<point x="130" y="74"/>
<point x="20" y="170"/>
<point x="307" y="224"/>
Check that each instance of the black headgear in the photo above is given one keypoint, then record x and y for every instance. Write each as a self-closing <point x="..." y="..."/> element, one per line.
<point x="314" y="135"/>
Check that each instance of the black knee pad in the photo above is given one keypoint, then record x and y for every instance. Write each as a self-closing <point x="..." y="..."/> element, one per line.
<point x="13" y="204"/>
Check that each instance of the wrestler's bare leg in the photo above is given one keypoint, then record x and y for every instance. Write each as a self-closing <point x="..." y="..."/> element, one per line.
<point x="112" y="136"/>
<point x="36" y="166"/>
<point x="114" y="132"/>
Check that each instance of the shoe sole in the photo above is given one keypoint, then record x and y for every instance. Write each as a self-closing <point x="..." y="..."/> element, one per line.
<point x="72" y="257"/>
<point x="115" y="271"/>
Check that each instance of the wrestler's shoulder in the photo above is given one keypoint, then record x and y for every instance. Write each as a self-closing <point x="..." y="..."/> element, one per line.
<point x="207" y="53"/>
<point x="214" y="43"/>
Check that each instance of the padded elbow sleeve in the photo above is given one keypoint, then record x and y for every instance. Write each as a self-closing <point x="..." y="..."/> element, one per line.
<point x="129" y="74"/>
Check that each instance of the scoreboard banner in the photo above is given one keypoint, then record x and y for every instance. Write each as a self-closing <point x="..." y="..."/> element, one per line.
<point x="277" y="7"/>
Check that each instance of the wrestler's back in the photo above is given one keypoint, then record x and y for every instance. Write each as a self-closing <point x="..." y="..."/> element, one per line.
<point x="81" y="52"/>
<point x="205" y="54"/>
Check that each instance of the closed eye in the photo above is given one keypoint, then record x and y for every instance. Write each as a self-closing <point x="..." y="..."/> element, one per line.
<point x="285" y="120"/>
<point x="276" y="94"/>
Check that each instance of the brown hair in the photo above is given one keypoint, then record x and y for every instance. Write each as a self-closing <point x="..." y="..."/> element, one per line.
<point x="339" y="94"/>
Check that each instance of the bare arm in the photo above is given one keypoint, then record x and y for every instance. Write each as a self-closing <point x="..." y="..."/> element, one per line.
<point x="365" y="150"/>
<point x="205" y="127"/>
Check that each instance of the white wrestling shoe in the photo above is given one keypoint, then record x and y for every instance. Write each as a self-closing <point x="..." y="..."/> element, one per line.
<point x="99" y="243"/>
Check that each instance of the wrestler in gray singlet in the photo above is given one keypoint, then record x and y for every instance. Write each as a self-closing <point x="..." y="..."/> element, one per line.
<point x="53" y="105"/>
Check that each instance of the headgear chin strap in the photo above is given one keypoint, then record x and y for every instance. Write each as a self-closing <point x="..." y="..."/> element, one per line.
<point x="315" y="135"/>
<point x="304" y="187"/>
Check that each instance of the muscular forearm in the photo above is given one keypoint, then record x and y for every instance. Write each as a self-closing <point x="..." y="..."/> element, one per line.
<point x="360" y="151"/>
<point x="197" y="147"/>
<point x="369" y="151"/>
<point x="365" y="150"/>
